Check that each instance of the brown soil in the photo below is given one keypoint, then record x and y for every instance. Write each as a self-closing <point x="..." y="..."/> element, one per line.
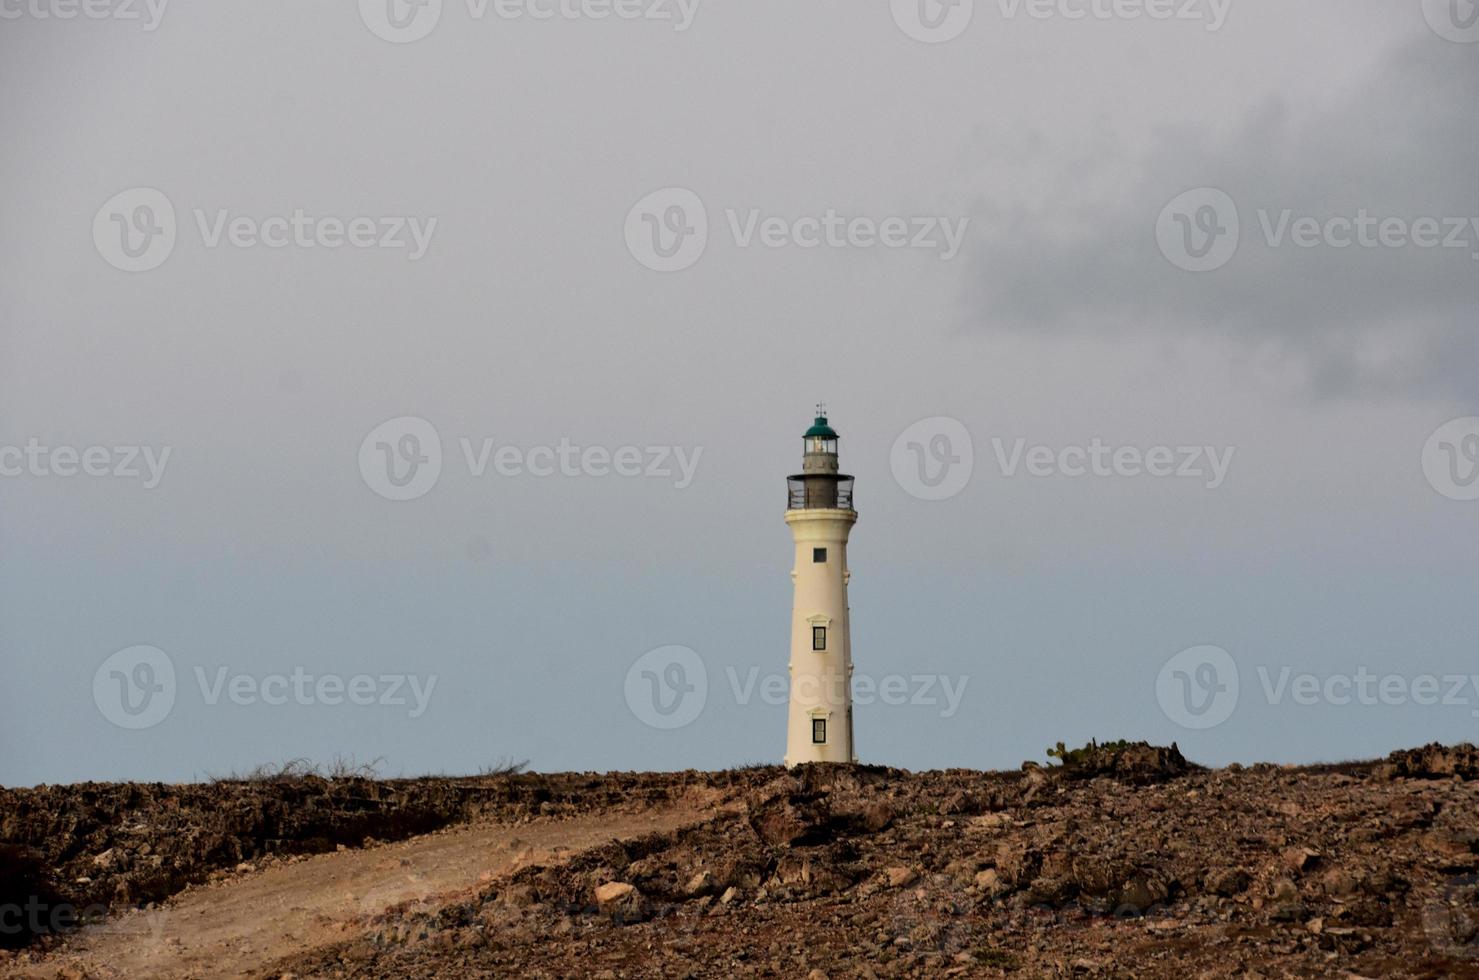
<point x="237" y="927"/>
<point x="1158" y="869"/>
<point x="94" y="846"/>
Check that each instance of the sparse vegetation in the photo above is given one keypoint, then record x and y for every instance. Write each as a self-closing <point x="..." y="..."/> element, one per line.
<point x="503" y="767"/>
<point x="294" y="770"/>
<point x="1133" y="762"/>
<point x="1077" y="758"/>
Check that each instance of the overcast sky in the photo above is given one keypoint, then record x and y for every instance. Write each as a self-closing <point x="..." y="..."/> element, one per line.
<point x="338" y="281"/>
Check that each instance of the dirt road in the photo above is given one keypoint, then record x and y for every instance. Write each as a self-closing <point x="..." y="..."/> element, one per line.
<point x="240" y="926"/>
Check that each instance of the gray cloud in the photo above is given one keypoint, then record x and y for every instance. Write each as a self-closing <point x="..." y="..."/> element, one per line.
<point x="1353" y="321"/>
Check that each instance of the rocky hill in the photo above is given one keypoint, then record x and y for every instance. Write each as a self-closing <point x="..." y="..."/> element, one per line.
<point x="1122" y="861"/>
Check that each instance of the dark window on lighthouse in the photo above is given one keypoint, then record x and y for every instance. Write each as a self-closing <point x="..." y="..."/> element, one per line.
<point x="819" y="556"/>
<point x="819" y="637"/>
<point x="819" y="731"/>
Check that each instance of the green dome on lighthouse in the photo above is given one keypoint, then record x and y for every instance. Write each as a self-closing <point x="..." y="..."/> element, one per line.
<point x="821" y="429"/>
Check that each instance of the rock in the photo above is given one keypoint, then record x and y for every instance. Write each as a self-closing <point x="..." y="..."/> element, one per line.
<point x="1139" y="894"/>
<point x="991" y="821"/>
<point x="1287" y="912"/>
<point x="898" y="876"/>
<point x="621" y="902"/>
<point x="1283" y="890"/>
<point x="613" y="891"/>
<point x="1435" y="762"/>
<point x="1018" y="863"/>
<point x="782" y="823"/>
<point x="1339" y="883"/>
<point x="522" y="896"/>
<point x="877" y="817"/>
<point x="1228" y="882"/>
<point x="989" y="881"/>
<point x="1300" y="859"/>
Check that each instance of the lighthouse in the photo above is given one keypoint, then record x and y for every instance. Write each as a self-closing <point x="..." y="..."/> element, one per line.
<point x="819" y="509"/>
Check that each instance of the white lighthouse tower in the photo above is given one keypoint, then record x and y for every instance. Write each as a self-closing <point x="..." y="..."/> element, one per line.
<point x="820" y="511"/>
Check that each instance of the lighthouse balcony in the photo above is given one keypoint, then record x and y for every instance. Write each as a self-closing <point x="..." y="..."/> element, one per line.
<point x="819" y="492"/>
